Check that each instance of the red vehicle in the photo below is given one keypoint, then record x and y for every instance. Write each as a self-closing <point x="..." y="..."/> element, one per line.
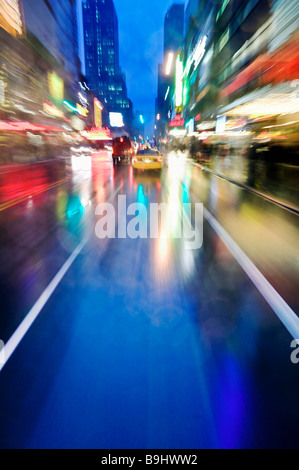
<point x="122" y="150"/>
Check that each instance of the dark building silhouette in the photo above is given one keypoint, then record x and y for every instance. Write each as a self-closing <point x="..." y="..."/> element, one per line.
<point x="174" y="28"/>
<point x="102" y="69"/>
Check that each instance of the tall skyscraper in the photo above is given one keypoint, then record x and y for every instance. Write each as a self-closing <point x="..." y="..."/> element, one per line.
<point x="102" y="69"/>
<point x="174" y="28"/>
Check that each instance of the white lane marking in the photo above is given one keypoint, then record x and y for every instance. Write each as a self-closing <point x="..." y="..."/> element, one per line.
<point x="284" y="312"/>
<point x="31" y="316"/>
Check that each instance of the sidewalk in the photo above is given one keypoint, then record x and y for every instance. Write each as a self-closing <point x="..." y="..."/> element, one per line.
<point x="279" y="183"/>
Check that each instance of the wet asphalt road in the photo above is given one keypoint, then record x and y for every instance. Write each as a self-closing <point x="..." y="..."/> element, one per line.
<point x="144" y="343"/>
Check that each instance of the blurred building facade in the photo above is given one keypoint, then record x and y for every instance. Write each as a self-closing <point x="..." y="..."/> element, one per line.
<point x="198" y="82"/>
<point x="54" y="24"/>
<point x="102" y="68"/>
<point x="240" y="70"/>
<point x="256" y="65"/>
<point x="39" y="64"/>
<point x="44" y="99"/>
<point x="173" y="41"/>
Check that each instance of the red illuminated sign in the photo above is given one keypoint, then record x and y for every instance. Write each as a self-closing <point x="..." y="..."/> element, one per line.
<point x="280" y="66"/>
<point x="177" y="121"/>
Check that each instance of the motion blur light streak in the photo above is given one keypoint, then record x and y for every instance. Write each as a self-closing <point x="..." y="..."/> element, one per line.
<point x="169" y="63"/>
<point x="163" y="248"/>
<point x="166" y="95"/>
<point x="71" y="107"/>
<point x="10" y="17"/>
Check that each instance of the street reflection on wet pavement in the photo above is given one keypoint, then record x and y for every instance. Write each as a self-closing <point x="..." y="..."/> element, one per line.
<point x="144" y="343"/>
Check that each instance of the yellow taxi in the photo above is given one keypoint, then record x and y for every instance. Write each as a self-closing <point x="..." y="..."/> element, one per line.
<point x="147" y="159"/>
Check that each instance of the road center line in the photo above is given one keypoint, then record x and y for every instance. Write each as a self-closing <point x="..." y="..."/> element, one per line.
<point x="284" y="312"/>
<point x="31" y="316"/>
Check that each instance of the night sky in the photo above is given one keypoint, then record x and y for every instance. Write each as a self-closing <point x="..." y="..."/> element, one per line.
<point x="141" y="49"/>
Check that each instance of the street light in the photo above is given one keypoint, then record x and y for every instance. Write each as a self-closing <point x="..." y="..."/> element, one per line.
<point x="167" y="93"/>
<point x="169" y="63"/>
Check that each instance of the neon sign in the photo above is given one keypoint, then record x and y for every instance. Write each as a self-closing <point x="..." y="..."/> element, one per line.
<point x="197" y="54"/>
<point x="98" y="108"/>
<point x="95" y="133"/>
<point x="177" y="121"/>
<point x="52" y="110"/>
<point x="82" y="111"/>
<point x="56" y="86"/>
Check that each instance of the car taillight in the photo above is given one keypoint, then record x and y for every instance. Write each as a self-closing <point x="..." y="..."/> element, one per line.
<point x="112" y="151"/>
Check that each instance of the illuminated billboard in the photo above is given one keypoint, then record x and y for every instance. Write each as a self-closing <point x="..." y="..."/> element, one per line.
<point x="97" y="134"/>
<point x="220" y="124"/>
<point x="82" y="111"/>
<point x="56" y="87"/>
<point x="52" y="110"/>
<point x="178" y="121"/>
<point x="190" y="126"/>
<point x="197" y="54"/>
<point x="98" y="108"/>
<point x="116" y="120"/>
<point x="11" y="18"/>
